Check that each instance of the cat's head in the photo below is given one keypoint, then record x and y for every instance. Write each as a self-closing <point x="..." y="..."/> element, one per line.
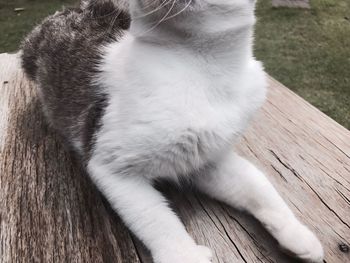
<point x="210" y="13"/>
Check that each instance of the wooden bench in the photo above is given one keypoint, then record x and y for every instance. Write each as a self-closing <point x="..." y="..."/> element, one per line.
<point x="50" y="212"/>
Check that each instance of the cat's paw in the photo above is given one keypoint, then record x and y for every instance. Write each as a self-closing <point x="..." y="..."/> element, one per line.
<point x="300" y="242"/>
<point x="196" y="254"/>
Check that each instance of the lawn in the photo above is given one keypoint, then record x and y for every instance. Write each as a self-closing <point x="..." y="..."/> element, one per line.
<point x="307" y="50"/>
<point x="15" y="25"/>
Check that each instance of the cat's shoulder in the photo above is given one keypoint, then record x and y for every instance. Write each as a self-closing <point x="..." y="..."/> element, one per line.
<point x="73" y="34"/>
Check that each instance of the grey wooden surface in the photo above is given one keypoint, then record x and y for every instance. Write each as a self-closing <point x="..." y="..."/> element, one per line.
<point x="50" y="211"/>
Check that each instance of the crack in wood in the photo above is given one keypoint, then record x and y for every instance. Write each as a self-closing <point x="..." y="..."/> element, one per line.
<point x="343" y="196"/>
<point x="280" y="174"/>
<point x="329" y="208"/>
<point x="223" y="227"/>
<point x="319" y="197"/>
<point x="252" y="237"/>
<point x="336" y="146"/>
<point x="287" y="166"/>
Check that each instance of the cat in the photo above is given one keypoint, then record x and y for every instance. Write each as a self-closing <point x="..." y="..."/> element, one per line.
<point x="161" y="89"/>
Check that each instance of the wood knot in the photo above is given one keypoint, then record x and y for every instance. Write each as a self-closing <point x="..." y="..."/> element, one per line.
<point x="344" y="248"/>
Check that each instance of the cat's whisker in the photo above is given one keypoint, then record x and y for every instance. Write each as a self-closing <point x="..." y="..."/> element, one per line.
<point x="161" y="20"/>
<point x="151" y="4"/>
<point x="113" y="22"/>
<point x="178" y="13"/>
<point x="163" y="4"/>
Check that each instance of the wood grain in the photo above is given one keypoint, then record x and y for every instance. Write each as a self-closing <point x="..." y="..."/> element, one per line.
<point x="50" y="212"/>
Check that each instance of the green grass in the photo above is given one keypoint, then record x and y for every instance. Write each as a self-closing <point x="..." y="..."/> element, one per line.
<point x="307" y="50"/>
<point x="15" y="25"/>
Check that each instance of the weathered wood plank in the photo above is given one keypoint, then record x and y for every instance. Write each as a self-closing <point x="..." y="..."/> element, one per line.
<point x="50" y="212"/>
<point x="307" y="156"/>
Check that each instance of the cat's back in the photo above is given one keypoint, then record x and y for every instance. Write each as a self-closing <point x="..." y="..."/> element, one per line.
<point x="73" y="36"/>
<point x="62" y="55"/>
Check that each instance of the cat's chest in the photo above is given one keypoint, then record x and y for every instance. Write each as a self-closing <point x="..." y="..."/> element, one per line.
<point x="179" y="129"/>
<point x="167" y="144"/>
<point x="186" y="95"/>
<point x="193" y="98"/>
<point x="173" y="140"/>
<point x="195" y="103"/>
<point x="177" y="113"/>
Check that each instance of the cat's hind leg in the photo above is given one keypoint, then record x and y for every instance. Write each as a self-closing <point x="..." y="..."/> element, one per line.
<point x="145" y="211"/>
<point x="240" y="184"/>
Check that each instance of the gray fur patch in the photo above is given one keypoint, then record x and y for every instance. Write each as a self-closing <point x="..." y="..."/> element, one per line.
<point x="61" y="55"/>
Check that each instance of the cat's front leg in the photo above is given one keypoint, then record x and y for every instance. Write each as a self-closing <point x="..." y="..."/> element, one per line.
<point x="145" y="211"/>
<point x="240" y="184"/>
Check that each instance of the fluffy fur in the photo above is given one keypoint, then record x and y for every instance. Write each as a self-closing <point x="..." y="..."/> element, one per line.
<point x="166" y="99"/>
